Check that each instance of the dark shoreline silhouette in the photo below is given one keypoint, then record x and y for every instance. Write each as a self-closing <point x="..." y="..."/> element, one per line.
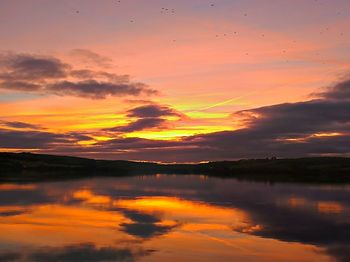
<point x="36" y="167"/>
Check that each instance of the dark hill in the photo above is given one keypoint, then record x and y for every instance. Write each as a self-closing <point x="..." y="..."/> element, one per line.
<point x="14" y="166"/>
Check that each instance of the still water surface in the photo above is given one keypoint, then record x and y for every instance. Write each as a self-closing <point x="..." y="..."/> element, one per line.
<point x="173" y="218"/>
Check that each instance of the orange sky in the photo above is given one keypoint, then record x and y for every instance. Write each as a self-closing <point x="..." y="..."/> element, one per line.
<point x="205" y="59"/>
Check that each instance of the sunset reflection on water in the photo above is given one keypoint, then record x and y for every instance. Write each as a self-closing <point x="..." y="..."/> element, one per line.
<point x="171" y="218"/>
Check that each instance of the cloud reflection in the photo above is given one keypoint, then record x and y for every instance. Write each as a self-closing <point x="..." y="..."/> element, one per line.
<point x="87" y="252"/>
<point x="153" y="212"/>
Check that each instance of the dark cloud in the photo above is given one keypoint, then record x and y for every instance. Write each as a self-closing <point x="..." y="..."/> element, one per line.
<point x="24" y="198"/>
<point x="149" y="117"/>
<point x="12" y="213"/>
<point x="49" y="75"/>
<point x="19" y="125"/>
<point x="300" y="119"/>
<point x="87" y="252"/>
<point x="36" y="139"/>
<point x="97" y="90"/>
<point x="309" y="128"/>
<point x="340" y="91"/>
<point x="20" y="86"/>
<point x="28" y="139"/>
<point x="25" y="67"/>
<point x="135" y="143"/>
<point x="144" y="225"/>
<point x="303" y="223"/>
<point x="137" y="216"/>
<point x="307" y="227"/>
<point x="340" y="252"/>
<point x="152" y="111"/>
<point x="145" y="230"/>
<point x="90" y="74"/>
<point x="82" y="252"/>
<point x="316" y="127"/>
<point x="140" y="124"/>
<point x="291" y="129"/>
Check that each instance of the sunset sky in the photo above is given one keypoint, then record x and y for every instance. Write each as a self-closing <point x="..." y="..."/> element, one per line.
<point x="175" y="81"/>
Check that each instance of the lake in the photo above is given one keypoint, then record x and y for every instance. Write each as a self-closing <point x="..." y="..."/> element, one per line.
<point x="173" y="218"/>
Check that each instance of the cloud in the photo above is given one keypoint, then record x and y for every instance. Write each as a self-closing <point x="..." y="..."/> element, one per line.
<point x="88" y="252"/>
<point x="88" y="56"/>
<point x="20" y="86"/>
<point x="290" y="223"/>
<point x="24" y="198"/>
<point x="97" y="90"/>
<point x="36" y="139"/>
<point x="340" y="91"/>
<point x="82" y="252"/>
<point x="135" y="143"/>
<point x="148" y="117"/>
<point x="309" y="128"/>
<point x="152" y="111"/>
<point x="315" y="127"/>
<point x="26" y="67"/>
<point x="12" y="213"/>
<point x="146" y="230"/>
<point x="280" y="220"/>
<point x="144" y="225"/>
<point x="19" y="125"/>
<point x="49" y="75"/>
<point x="340" y="252"/>
<point x="140" y="124"/>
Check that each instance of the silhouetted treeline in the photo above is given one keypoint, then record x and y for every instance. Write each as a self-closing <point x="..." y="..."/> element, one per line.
<point x="16" y="166"/>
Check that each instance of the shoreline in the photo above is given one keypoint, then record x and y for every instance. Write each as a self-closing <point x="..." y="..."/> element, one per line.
<point x="26" y="166"/>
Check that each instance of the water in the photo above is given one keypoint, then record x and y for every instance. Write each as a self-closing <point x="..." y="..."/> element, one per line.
<point x="173" y="218"/>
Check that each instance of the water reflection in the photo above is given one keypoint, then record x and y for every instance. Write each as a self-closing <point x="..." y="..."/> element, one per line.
<point x="170" y="218"/>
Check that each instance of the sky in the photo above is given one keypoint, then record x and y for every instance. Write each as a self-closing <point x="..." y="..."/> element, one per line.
<point x="175" y="81"/>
